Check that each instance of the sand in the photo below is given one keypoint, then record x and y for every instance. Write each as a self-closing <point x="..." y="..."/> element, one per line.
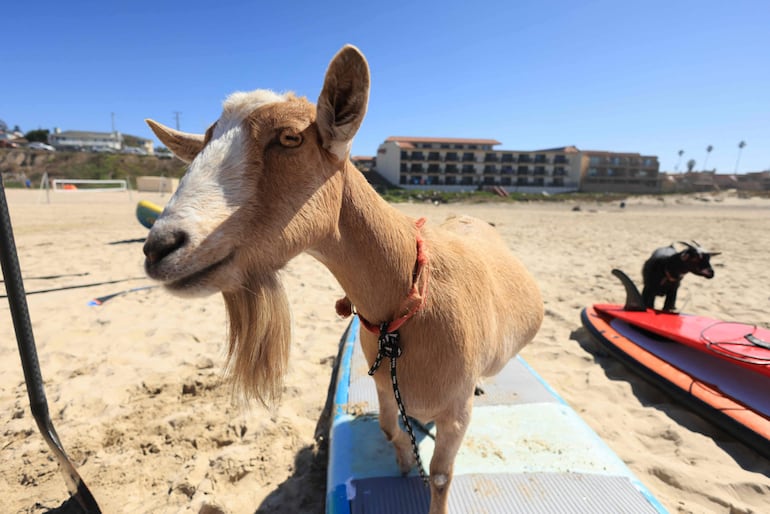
<point x="136" y="387"/>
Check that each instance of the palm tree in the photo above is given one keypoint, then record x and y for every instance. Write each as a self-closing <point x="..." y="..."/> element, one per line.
<point x="690" y="165"/>
<point x="680" y="152"/>
<point x="740" y="149"/>
<point x="708" y="151"/>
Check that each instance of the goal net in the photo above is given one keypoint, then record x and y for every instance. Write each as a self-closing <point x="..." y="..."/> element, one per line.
<point x="90" y="186"/>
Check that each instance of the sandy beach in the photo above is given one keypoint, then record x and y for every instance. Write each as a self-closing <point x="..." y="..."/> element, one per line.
<point x="136" y="391"/>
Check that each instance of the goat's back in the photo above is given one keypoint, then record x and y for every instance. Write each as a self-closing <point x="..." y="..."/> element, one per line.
<point x="492" y="286"/>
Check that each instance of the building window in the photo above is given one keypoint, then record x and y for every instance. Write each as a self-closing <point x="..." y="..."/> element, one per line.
<point x="507" y="157"/>
<point x="505" y="181"/>
<point x="402" y="180"/>
<point x="451" y="157"/>
<point x="404" y="155"/>
<point x="434" y="156"/>
<point x="404" y="167"/>
<point x="433" y="168"/>
<point x="560" y="159"/>
<point x="540" y="158"/>
<point x="451" y="168"/>
<point x="450" y="180"/>
<point x="469" y="168"/>
<point x="490" y="169"/>
<point x="522" y="170"/>
<point x="466" y="181"/>
<point x="524" y="158"/>
<point x="469" y="157"/>
<point x="595" y="160"/>
<point x="558" y="182"/>
<point x="418" y="156"/>
<point x="490" y="157"/>
<point x="416" y="168"/>
<point x="507" y="170"/>
<point x="521" y="181"/>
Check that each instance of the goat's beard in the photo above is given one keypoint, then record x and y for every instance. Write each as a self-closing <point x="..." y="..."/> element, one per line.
<point x="259" y="326"/>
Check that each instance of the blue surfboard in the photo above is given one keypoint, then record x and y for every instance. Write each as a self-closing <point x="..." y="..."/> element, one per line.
<point x="525" y="450"/>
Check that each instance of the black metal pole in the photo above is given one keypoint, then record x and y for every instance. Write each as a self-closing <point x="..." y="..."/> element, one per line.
<point x="26" y="341"/>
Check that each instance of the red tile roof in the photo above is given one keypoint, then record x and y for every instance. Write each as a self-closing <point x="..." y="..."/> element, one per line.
<point x="457" y="140"/>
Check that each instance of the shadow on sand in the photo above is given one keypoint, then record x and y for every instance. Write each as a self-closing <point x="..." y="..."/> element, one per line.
<point x="651" y="396"/>
<point x="305" y="490"/>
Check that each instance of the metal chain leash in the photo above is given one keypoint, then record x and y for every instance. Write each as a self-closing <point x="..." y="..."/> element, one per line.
<point x="388" y="346"/>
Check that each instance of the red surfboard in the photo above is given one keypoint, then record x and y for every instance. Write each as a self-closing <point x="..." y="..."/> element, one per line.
<point x="710" y="385"/>
<point x="742" y="344"/>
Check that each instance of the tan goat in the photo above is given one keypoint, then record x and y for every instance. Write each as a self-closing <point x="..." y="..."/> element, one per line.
<point x="271" y="179"/>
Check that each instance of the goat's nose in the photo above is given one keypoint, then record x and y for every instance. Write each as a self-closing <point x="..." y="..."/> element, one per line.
<point x="161" y="243"/>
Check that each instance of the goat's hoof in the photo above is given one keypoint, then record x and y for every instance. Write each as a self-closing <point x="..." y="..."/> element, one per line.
<point x="405" y="462"/>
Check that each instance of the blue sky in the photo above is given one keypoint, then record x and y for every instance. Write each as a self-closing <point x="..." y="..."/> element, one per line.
<point x="652" y="77"/>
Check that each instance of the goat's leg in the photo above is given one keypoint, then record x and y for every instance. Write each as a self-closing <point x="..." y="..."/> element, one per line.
<point x="389" y="416"/>
<point x="450" y="430"/>
<point x="670" y="303"/>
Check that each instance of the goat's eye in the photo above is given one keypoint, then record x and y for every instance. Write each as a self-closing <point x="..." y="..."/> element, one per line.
<point x="290" y="139"/>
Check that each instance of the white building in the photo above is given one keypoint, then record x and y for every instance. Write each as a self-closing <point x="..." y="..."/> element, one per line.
<point x="96" y="141"/>
<point x="459" y="164"/>
<point x="83" y="140"/>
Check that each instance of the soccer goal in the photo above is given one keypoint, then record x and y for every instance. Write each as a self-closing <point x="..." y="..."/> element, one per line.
<point x="89" y="186"/>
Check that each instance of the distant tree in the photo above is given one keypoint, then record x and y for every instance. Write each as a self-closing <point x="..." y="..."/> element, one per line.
<point x="678" y="162"/>
<point x="16" y="128"/>
<point x="740" y="149"/>
<point x="690" y="165"/>
<point x="708" y="152"/>
<point x="40" y="135"/>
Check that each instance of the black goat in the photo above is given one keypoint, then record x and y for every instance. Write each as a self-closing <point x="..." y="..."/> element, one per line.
<point x="664" y="270"/>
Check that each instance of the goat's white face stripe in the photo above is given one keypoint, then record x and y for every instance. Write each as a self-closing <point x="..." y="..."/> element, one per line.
<point x="211" y="189"/>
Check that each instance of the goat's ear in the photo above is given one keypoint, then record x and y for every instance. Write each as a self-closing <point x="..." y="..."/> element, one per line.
<point x="183" y="145"/>
<point x="342" y="104"/>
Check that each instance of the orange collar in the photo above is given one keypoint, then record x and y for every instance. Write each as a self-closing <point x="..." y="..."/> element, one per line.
<point x="413" y="301"/>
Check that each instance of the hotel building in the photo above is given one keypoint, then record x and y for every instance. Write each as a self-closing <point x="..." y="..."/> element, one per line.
<point x="458" y="164"/>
